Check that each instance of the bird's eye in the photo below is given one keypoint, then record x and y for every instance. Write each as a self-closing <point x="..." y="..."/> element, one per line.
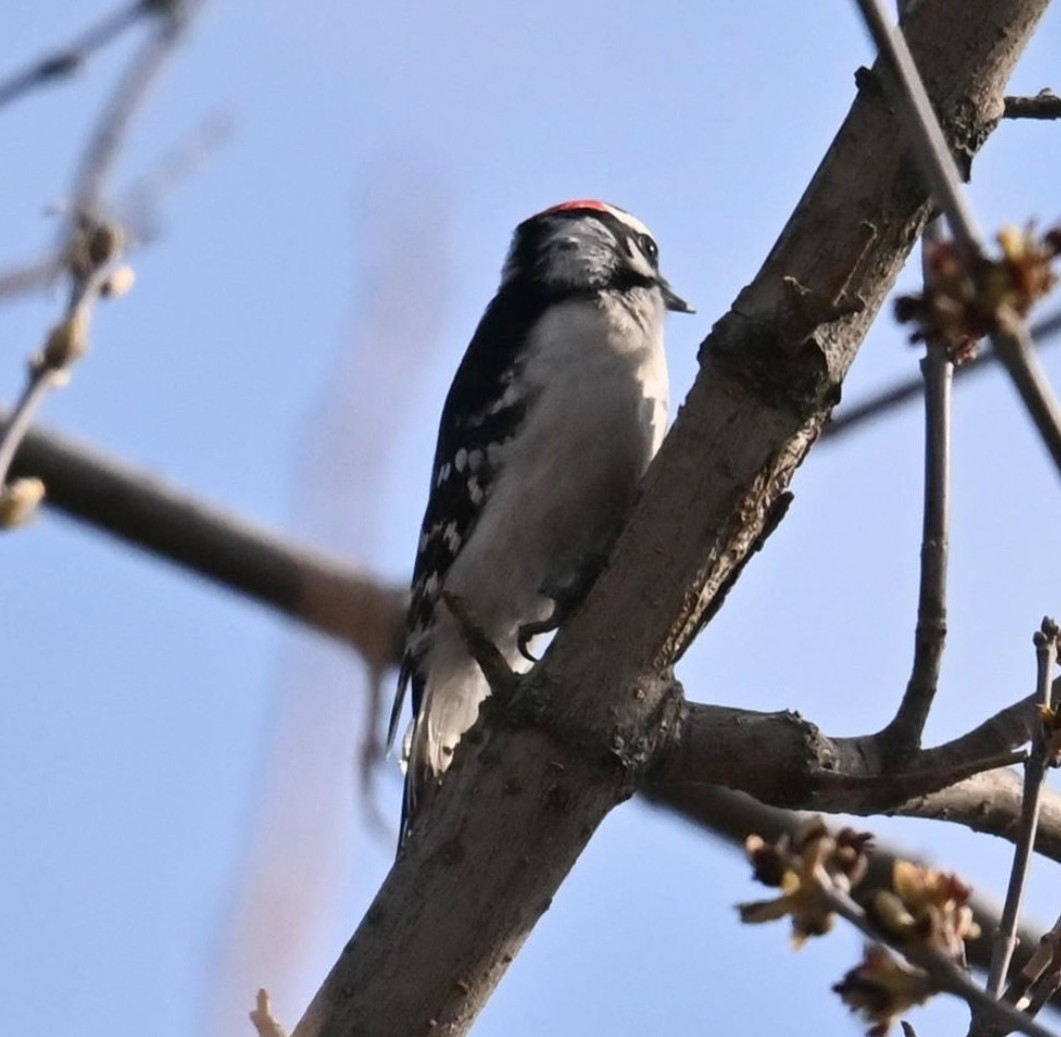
<point x="649" y="247"/>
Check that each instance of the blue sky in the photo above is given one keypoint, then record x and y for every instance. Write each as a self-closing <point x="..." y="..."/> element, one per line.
<point x="285" y="353"/>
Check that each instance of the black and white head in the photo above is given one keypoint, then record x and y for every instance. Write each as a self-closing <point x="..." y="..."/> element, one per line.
<point x="585" y="248"/>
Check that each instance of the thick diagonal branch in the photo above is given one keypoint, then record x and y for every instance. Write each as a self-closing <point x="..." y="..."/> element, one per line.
<point x="518" y="806"/>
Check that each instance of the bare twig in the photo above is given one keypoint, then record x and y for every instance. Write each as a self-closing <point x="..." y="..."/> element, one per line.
<point x="109" y="134"/>
<point x="1044" y="105"/>
<point x="29" y="276"/>
<point x="67" y="60"/>
<point x="1049" y="981"/>
<point x="1040" y="977"/>
<point x="93" y="248"/>
<point x="264" y="1020"/>
<point x="930" y="146"/>
<point x="1012" y="344"/>
<point x="1034" y="775"/>
<point x="41" y="380"/>
<point x="931" y="633"/>
<point x="855" y="415"/>
<point x="372" y="750"/>
<point x="139" y="201"/>
<point x="1017" y="352"/>
<point x="499" y="675"/>
<point x="93" y="243"/>
<point x="136" y="208"/>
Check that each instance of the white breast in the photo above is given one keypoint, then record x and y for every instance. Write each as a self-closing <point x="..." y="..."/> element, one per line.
<point x="597" y="376"/>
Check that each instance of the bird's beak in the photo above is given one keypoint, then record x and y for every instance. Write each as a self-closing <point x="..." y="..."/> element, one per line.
<point x="675" y="302"/>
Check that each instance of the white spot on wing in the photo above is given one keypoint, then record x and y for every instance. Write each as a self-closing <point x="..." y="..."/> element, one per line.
<point x="451" y="537"/>
<point x="507" y="399"/>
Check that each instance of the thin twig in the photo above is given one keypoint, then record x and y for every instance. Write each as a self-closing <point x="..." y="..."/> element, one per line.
<point x="139" y="201"/>
<point x="857" y="414"/>
<point x="136" y="208"/>
<point x="930" y="635"/>
<point x="930" y="146"/>
<point x="941" y="970"/>
<point x="1044" y="105"/>
<point x="262" y="1016"/>
<point x="733" y="816"/>
<point x="90" y="254"/>
<point x="107" y="138"/>
<point x="92" y="243"/>
<point x="499" y="675"/>
<point x="1016" y="350"/>
<point x="1035" y="984"/>
<point x="931" y="632"/>
<point x="29" y="276"/>
<point x="67" y="60"/>
<point x="1034" y="775"/>
<point x="373" y="750"/>
<point x="941" y="173"/>
<point x="1048" y="981"/>
<point x="40" y="381"/>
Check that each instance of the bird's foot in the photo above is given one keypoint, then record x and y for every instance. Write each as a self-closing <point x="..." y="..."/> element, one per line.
<point x="566" y="597"/>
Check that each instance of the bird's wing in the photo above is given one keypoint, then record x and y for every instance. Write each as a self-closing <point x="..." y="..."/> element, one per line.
<point x="485" y="407"/>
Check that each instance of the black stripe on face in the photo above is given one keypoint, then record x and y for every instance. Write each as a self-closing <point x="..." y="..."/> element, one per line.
<point x="635" y="264"/>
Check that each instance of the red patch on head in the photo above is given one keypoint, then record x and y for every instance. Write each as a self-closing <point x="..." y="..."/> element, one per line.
<point x="584" y="203"/>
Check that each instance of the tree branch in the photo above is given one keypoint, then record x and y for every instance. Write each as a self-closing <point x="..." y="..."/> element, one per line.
<point x="137" y="507"/>
<point x="517" y="806"/>
<point x="1044" y="105"/>
<point x="991" y="803"/>
<point x="109" y="133"/>
<point x="1031" y="797"/>
<point x="719" y="745"/>
<point x="930" y="634"/>
<point x="734" y="816"/>
<point x="67" y="60"/>
<point x="329" y="597"/>
<point x="854" y="415"/>
<point x="1010" y="338"/>
<point x="323" y="593"/>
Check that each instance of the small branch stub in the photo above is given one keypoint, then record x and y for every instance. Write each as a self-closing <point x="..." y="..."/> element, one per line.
<point x="1044" y="105"/>
<point x="499" y="675"/>
<point x="19" y="500"/>
<point x="262" y="1016"/>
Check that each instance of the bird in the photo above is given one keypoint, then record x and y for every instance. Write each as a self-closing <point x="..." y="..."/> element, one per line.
<point x="556" y="410"/>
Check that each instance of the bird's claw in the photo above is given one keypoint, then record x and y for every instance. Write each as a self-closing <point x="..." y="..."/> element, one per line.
<point x="528" y="631"/>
